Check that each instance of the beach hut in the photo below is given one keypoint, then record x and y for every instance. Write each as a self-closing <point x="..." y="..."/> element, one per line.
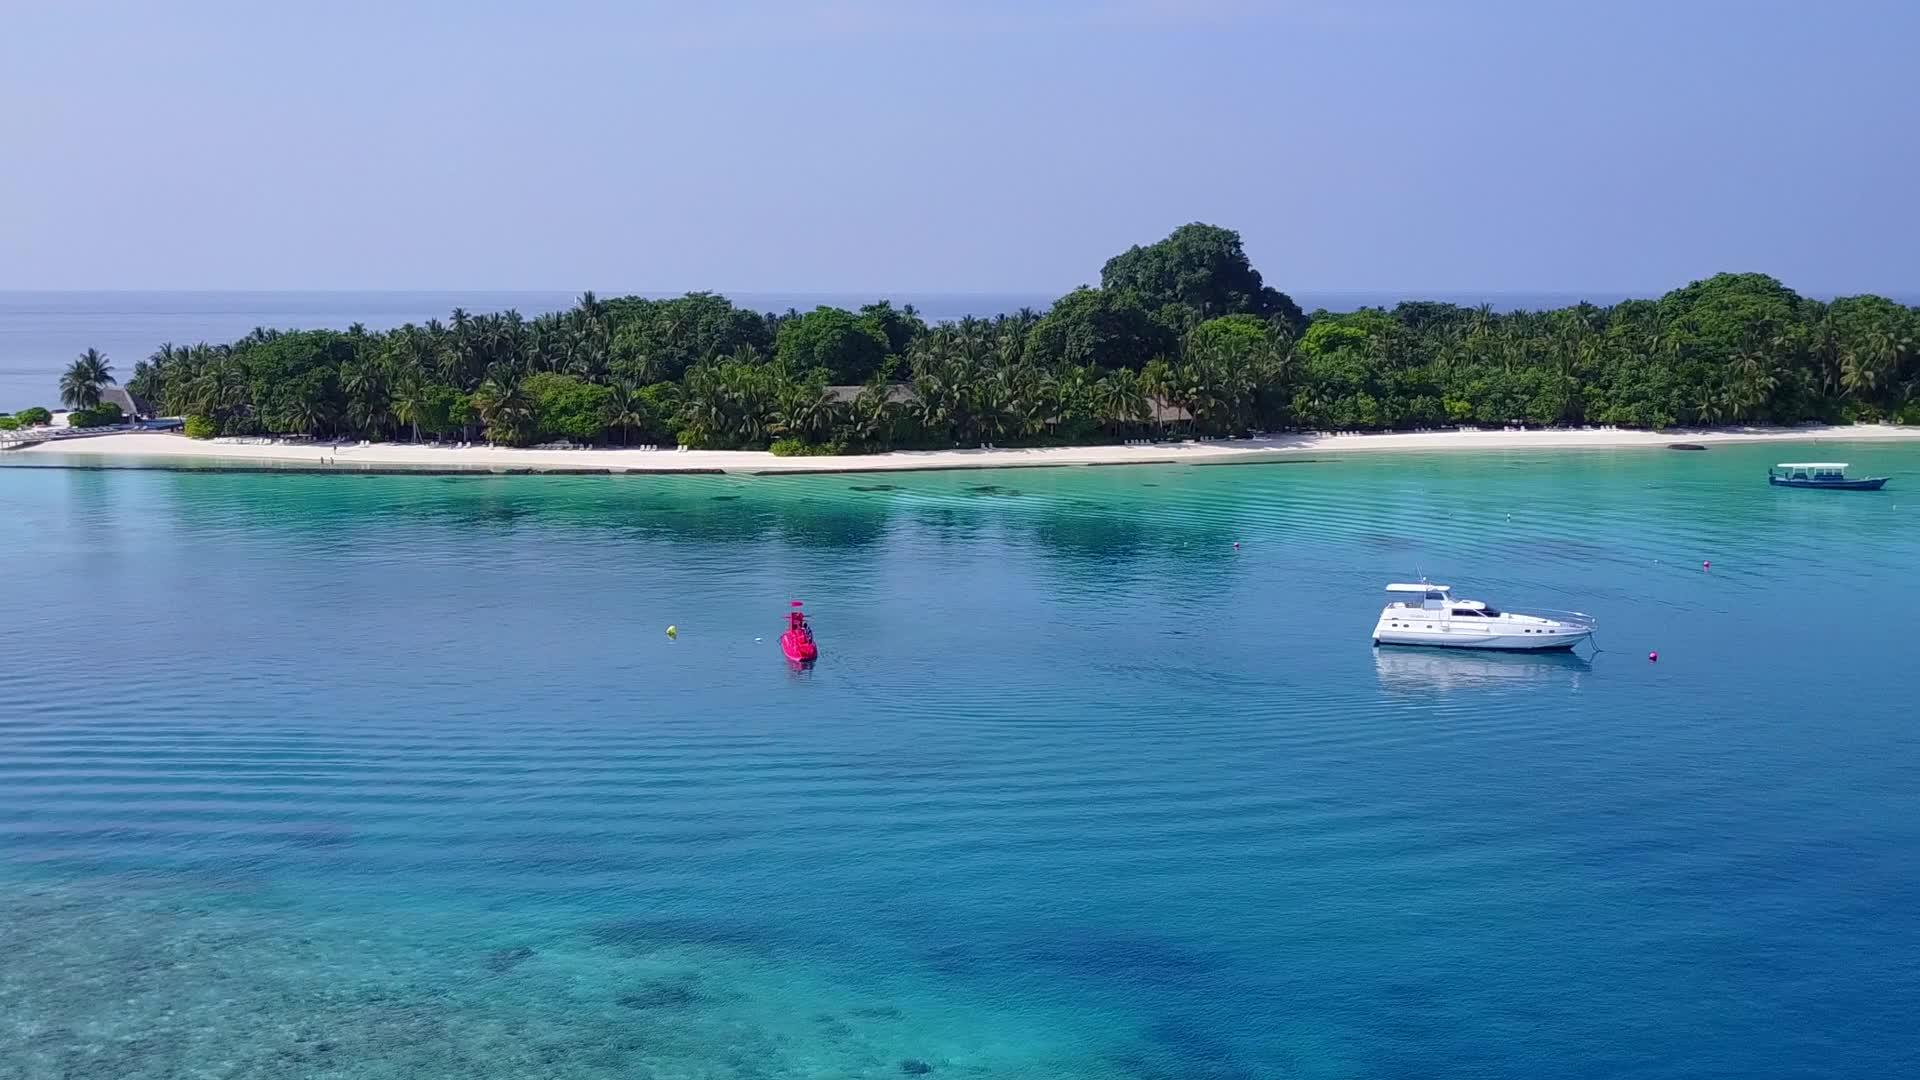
<point x="133" y="408"/>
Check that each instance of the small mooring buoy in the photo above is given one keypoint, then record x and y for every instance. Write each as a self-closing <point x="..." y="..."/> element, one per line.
<point x="673" y="631"/>
<point x="1706" y="564"/>
<point x="1653" y="658"/>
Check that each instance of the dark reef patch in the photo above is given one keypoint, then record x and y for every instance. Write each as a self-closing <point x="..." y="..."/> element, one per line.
<point x="649" y="934"/>
<point x="681" y="992"/>
<point x="832" y="1026"/>
<point x="501" y="961"/>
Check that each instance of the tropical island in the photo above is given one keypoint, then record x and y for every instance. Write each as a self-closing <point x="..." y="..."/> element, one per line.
<point x="1181" y="338"/>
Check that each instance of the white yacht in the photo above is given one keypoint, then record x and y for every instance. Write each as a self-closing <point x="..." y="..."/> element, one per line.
<point x="1430" y="615"/>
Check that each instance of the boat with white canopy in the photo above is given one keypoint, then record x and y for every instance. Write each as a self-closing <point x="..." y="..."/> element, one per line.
<point x="1830" y="475"/>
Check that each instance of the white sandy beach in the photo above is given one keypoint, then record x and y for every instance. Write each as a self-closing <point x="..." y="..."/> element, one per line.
<point x="165" y="449"/>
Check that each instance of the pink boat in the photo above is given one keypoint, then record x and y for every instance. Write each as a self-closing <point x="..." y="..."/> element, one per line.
<point x="798" y="641"/>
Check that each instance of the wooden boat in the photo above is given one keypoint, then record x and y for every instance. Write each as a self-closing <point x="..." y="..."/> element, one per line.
<point x="1829" y="475"/>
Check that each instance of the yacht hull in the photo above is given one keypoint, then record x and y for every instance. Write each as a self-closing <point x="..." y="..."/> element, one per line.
<point x="1449" y="638"/>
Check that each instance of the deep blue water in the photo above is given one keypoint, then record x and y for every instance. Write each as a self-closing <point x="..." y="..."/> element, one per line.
<point x="340" y="776"/>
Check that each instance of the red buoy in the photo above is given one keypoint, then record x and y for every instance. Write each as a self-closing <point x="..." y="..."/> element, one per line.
<point x="798" y="641"/>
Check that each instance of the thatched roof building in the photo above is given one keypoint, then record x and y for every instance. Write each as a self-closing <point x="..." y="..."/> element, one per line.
<point x="1159" y="411"/>
<point x="897" y="393"/>
<point x="133" y="408"/>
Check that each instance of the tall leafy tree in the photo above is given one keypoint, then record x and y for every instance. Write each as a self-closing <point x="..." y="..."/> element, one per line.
<point x="1203" y="268"/>
<point x="1107" y="327"/>
<point x="850" y="349"/>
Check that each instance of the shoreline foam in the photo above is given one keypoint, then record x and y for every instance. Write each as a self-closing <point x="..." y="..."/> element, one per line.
<point x="165" y="450"/>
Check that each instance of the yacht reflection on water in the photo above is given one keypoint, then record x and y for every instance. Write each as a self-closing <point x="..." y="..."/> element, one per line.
<point x="1425" y="671"/>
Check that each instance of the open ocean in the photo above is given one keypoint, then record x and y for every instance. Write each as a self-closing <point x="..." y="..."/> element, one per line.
<point x="357" y="777"/>
<point x="41" y="332"/>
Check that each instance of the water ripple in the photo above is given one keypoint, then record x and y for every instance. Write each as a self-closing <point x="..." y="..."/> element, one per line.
<point x="401" y="776"/>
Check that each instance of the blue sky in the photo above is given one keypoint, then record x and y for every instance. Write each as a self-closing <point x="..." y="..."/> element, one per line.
<point x="838" y="145"/>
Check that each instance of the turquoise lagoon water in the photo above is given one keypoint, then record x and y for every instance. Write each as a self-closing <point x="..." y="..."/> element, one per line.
<point x="373" y="776"/>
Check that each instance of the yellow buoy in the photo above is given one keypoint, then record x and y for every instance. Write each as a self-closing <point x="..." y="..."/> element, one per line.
<point x="673" y="631"/>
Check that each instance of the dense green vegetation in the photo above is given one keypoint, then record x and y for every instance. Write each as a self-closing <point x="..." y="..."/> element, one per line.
<point x="25" y="418"/>
<point x="105" y="414"/>
<point x="1185" y="322"/>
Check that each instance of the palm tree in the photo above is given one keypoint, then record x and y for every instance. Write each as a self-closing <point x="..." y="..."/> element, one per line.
<point x="1859" y="372"/>
<point x="1119" y="401"/>
<point x="368" y="404"/>
<point x="748" y="397"/>
<point x="1033" y="400"/>
<point x="591" y="308"/>
<point x="1885" y="348"/>
<point x="303" y="415"/>
<point x="1011" y="346"/>
<point x="874" y="412"/>
<point x="989" y="406"/>
<point x="1822" y="345"/>
<point x="626" y="409"/>
<point x="150" y="376"/>
<point x="1710" y="408"/>
<point x="1754" y="380"/>
<point x="80" y="385"/>
<point x="1156" y="381"/>
<point x="937" y="407"/>
<point x="1481" y="322"/>
<point x="411" y="400"/>
<point x="505" y="407"/>
<point x="220" y="388"/>
<point x="146" y="380"/>
<point x="804" y="412"/>
<point x="437" y="351"/>
<point x="703" y="408"/>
